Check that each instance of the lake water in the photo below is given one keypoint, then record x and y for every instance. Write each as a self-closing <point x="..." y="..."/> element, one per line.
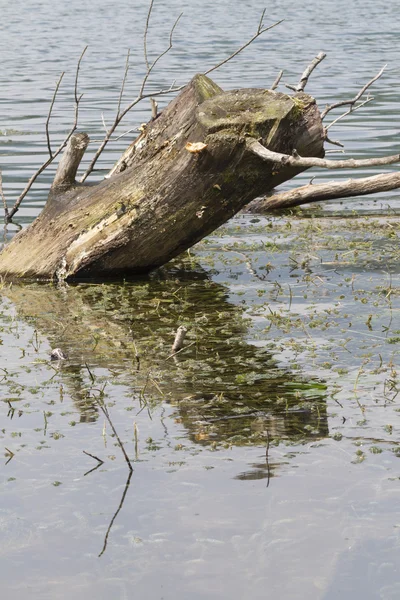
<point x="266" y="454"/>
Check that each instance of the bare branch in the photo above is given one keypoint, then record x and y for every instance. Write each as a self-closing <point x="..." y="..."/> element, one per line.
<point x="60" y="148"/>
<point x="101" y="462"/>
<point x="146" y="30"/>
<point x="104" y="410"/>
<point x="159" y="57"/>
<point x="260" y="31"/>
<point x="330" y="191"/>
<point x="150" y="66"/>
<point x="304" y="78"/>
<point x="306" y="162"/>
<point x="121" y="93"/>
<point x="121" y="503"/>
<point x="118" y="120"/>
<point x="6" y="214"/>
<point x="50" y="111"/>
<point x="334" y="142"/>
<point x="277" y="81"/>
<point x="351" y="110"/>
<point x="356" y="97"/>
<point x="78" y="66"/>
<point x="141" y="95"/>
<point x="104" y="123"/>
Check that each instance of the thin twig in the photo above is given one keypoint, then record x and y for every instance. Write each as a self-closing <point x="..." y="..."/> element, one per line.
<point x="105" y="412"/>
<point x="351" y="110"/>
<point x="146" y="29"/>
<point x="333" y="142"/>
<point x="3" y="198"/>
<point x="93" y="456"/>
<point x="78" y="66"/>
<point x="107" y="137"/>
<point x="356" y="97"/>
<point x="277" y="81"/>
<point x="155" y="61"/>
<point x="260" y="31"/>
<point x="128" y="481"/>
<point x="120" y="114"/>
<point x="267" y="459"/>
<point x="10" y="454"/>
<point x="50" y="111"/>
<point x="121" y="93"/>
<point x="104" y="123"/>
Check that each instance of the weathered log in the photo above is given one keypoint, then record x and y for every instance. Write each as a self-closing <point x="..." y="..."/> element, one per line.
<point x="165" y="195"/>
<point x="327" y="191"/>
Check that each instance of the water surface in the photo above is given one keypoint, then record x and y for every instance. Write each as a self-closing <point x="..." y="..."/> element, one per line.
<point x="266" y="454"/>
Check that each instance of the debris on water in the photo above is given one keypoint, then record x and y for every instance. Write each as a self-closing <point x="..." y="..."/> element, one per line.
<point x="58" y="354"/>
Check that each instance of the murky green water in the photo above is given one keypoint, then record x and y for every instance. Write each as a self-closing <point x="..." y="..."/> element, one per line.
<point x="266" y="454"/>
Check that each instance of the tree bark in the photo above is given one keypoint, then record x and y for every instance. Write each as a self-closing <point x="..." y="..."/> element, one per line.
<point x="191" y="169"/>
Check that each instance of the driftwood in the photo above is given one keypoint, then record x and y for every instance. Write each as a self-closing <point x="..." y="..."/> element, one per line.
<point x="208" y="154"/>
<point x="327" y="191"/>
<point x="191" y="169"/>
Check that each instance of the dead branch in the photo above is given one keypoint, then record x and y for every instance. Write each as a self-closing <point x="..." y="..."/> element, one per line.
<point x="121" y="93"/>
<point x="99" y="461"/>
<point x="260" y="31"/>
<point x="277" y="81"/>
<point x="304" y="78"/>
<point x="50" y="111"/>
<point x="3" y="198"/>
<point x="352" y="101"/>
<point x="43" y="167"/>
<point x="332" y="190"/>
<point x="120" y="505"/>
<point x="146" y="30"/>
<point x="120" y="114"/>
<point x="306" y="162"/>
<point x="104" y="410"/>
<point x="351" y="110"/>
<point x="160" y="56"/>
<point x="306" y="74"/>
<point x="333" y="142"/>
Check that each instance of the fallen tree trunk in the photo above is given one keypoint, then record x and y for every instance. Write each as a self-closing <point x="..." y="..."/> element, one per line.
<point x="188" y="173"/>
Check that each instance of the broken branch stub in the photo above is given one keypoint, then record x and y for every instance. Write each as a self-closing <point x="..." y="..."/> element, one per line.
<point x="167" y="198"/>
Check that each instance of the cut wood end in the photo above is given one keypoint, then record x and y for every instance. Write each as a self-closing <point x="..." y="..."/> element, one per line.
<point x="195" y="148"/>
